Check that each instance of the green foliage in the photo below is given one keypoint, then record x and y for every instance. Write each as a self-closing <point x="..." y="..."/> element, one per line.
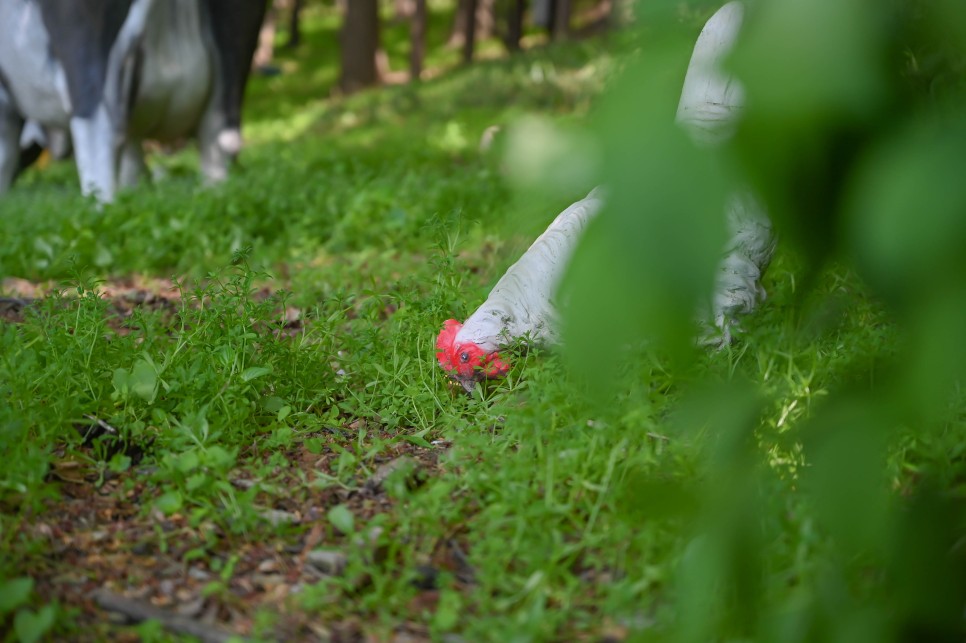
<point x="855" y="165"/>
<point x="27" y="625"/>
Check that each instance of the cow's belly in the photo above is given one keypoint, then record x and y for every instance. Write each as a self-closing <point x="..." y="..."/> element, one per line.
<point x="33" y="77"/>
<point x="176" y="73"/>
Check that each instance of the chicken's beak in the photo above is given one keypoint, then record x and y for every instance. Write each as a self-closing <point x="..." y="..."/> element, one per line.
<point x="469" y="384"/>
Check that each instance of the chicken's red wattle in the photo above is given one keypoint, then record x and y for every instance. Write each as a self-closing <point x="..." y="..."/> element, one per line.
<point x="466" y="360"/>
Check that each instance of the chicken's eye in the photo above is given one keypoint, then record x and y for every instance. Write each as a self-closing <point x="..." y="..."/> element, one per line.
<point x="464" y="357"/>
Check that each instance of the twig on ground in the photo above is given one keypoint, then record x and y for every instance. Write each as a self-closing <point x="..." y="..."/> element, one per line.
<point x="15" y="302"/>
<point x="104" y="426"/>
<point x="139" y="611"/>
<point x="465" y="571"/>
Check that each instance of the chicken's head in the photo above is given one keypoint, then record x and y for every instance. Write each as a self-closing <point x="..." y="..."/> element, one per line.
<point x="466" y="362"/>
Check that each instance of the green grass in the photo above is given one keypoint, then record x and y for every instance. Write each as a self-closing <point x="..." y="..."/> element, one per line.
<point x="284" y="352"/>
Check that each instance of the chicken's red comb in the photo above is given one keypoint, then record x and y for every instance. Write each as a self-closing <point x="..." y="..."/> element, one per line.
<point x="466" y="360"/>
<point x="444" y="344"/>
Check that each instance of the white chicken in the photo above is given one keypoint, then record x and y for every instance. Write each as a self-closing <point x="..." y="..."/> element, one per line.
<point x="521" y="305"/>
<point x="711" y="103"/>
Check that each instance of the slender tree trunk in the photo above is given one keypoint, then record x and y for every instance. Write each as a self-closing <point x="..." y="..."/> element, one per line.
<point x="360" y="42"/>
<point x="266" y="39"/>
<point x="457" y="35"/>
<point x="600" y="19"/>
<point x="485" y="19"/>
<point x="295" y="25"/>
<point x="514" y="33"/>
<point x="403" y="10"/>
<point x="417" y="31"/>
<point x="605" y="9"/>
<point x="469" y="42"/>
<point x="560" y="29"/>
<point x="480" y="13"/>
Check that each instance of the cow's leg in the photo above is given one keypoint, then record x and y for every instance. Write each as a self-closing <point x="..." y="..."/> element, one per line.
<point x="58" y="143"/>
<point x="132" y="164"/>
<point x="232" y="40"/>
<point x="10" y="126"/>
<point x="97" y="148"/>
<point x="218" y="145"/>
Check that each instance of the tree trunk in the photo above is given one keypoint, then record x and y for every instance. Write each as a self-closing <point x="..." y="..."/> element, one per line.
<point x="485" y="19"/>
<point x="295" y="25"/>
<point x="457" y="35"/>
<point x="360" y="42"/>
<point x="483" y="14"/>
<point x="266" y="40"/>
<point x="417" y="31"/>
<point x="403" y="10"/>
<point x="560" y="29"/>
<point x="600" y="19"/>
<point x="514" y="32"/>
<point x="469" y="42"/>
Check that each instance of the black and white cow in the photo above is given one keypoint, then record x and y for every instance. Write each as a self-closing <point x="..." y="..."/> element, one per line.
<point x="115" y="72"/>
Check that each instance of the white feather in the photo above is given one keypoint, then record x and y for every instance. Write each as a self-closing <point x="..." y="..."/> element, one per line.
<point x="738" y="289"/>
<point x="711" y="100"/>
<point x="521" y="304"/>
<point x="710" y="106"/>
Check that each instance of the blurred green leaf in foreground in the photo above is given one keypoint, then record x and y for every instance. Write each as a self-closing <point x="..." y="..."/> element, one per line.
<point x="854" y="137"/>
